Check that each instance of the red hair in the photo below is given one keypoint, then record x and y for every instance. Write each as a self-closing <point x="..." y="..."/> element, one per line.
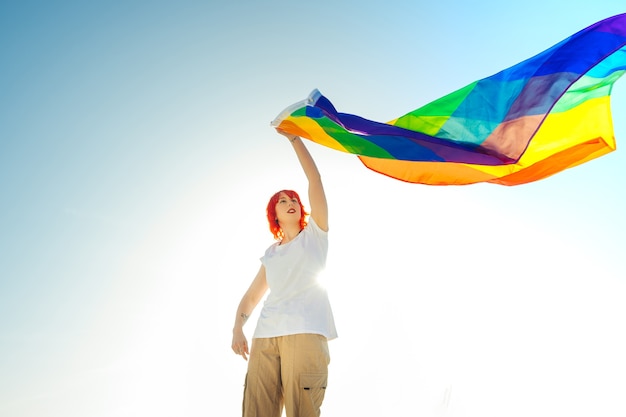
<point x="272" y="218"/>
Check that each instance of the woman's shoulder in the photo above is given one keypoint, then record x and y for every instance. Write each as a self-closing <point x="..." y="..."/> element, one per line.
<point x="314" y="227"/>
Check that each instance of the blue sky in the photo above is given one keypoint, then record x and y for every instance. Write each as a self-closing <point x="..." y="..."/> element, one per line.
<point x="136" y="160"/>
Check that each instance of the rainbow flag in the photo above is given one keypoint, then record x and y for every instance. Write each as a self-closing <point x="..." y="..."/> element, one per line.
<point x="546" y="114"/>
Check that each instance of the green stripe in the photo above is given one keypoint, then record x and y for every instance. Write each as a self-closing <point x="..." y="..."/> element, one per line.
<point x="429" y="118"/>
<point x="352" y="143"/>
<point x="586" y="88"/>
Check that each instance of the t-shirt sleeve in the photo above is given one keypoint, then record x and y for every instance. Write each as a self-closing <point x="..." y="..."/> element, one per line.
<point x="316" y="229"/>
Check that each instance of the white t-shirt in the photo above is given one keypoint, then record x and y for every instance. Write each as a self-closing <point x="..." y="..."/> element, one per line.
<point x="297" y="303"/>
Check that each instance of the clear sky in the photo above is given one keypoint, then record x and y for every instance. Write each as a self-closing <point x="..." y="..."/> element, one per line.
<point x="136" y="160"/>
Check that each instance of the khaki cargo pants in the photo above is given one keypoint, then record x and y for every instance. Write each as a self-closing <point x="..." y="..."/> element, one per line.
<point x="289" y="371"/>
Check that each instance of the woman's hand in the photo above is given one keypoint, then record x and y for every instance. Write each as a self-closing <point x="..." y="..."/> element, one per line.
<point x="240" y="344"/>
<point x="289" y="136"/>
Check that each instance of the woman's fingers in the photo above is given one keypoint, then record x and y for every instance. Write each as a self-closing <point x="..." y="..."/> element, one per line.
<point x="241" y="348"/>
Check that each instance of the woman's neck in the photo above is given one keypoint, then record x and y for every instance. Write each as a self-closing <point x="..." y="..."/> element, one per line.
<point x="289" y="234"/>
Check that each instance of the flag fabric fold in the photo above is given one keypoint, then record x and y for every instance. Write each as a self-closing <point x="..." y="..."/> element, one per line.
<point x="546" y="114"/>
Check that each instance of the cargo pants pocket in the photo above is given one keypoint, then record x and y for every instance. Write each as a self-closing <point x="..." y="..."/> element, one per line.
<point x="313" y="388"/>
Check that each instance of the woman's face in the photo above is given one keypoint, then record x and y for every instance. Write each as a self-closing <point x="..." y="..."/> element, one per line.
<point x="288" y="209"/>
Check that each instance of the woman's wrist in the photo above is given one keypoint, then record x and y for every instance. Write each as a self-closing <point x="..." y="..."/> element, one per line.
<point x="293" y="139"/>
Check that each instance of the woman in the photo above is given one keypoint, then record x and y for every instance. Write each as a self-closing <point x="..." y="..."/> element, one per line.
<point x="289" y="357"/>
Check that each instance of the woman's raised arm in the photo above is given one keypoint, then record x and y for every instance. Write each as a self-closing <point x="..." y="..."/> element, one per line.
<point x="317" y="196"/>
